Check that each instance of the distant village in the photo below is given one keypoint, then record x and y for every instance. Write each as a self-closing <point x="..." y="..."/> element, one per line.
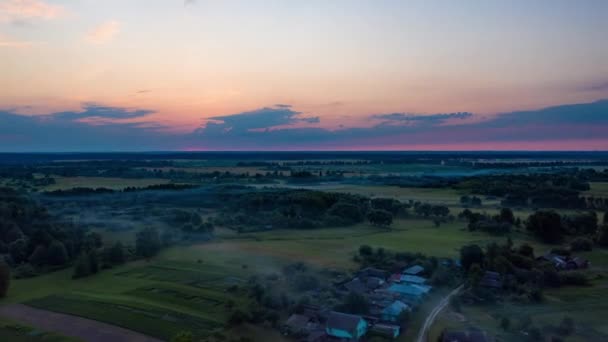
<point x="393" y="297"/>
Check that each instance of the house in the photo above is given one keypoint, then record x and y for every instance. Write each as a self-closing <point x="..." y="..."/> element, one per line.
<point x="578" y="263"/>
<point x="557" y="260"/>
<point x="317" y="336"/>
<point x="298" y="324"/>
<point x="386" y="330"/>
<point x="373" y="283"/>
<point x="391" y="313"/>
<point x="373" y="272"/>
<point x="414" y="270"/>
<point x="408" y="289"/>
<point x="412" y="279"/>
<point x="345" y="326"/>
<point x="356" y="286"/>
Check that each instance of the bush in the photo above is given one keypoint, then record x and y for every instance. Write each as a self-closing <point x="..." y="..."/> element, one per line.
<point x="573" y="278"/>
<point x="581" y="244"/>
<point x="25" y="271"/>
<point x="5" y="278"/>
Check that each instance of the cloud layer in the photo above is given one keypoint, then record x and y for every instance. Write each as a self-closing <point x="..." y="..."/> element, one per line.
<point x="16" y="11"/>
<point x="280" y="127"/>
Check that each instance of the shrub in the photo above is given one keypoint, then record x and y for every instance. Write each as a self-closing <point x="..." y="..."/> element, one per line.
<point x="25" y="271"/>
<point x="581" y="244"/>
<point x="5" y="278"/>
<point x="573" y="278"/>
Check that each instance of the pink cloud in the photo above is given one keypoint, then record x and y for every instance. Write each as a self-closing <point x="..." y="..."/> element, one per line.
<point x="104" y="32"/>
<point x="19" y="10"/>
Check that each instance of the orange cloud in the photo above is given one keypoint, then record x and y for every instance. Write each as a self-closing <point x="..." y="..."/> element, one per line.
<point x="19" y="10"/>
<point x="104" y="32"/>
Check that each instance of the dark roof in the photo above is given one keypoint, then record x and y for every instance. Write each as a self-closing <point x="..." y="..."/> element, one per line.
<point x="455" y="336"/>
<point x="356" y="285"/>
<point x="297" y="322"/>
<point x="373" y="272"/>
<point x="342" y="321"/>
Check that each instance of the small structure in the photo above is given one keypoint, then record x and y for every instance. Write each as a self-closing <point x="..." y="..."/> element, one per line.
<point x="345" y="326"/>
<point x="578" y="263"/>
<point x="373" y="272"/>
<point x="356" y="286"/>
<point x="373" y="283"/>
<point x="409" y="290"/>
<point x="298" y="324"/>
<point x="386" y="330"/>
<point x="414" y="270"/>
<point x="557" y="260"/>
<point x="412" y="279"/>
<point x="391" y="313"/>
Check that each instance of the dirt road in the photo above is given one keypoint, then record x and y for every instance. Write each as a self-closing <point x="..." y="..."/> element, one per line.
<point x="424" y="331"/>
<point x="73" y="326"/>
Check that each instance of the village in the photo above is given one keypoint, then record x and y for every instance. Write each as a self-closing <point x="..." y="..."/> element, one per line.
<point x="391" y="297"/>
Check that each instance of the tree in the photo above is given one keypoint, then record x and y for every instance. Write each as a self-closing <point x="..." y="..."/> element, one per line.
<point x="93" y="262"/>
<point x="506" y="215"/>
<point x="116" y="254"/>
<point x="18" y="250"/>
<point x="602" y="236"/>
<point x="365" y="250"/>
<point x="505" y="323"/>
<point x="471" y="254"/>
<point x="82" y="268"/>
<point x="39" y="256"/>
<point x="147" y="243"/>
<point x="183" y="336"/>
<point x="546" y="225"/>
<point x="5" y="278"/>
<point x="605" y="217"/>
<point x="93" y="240"/>
<point x="380" y="217"/>
<point x="57" y="253"/>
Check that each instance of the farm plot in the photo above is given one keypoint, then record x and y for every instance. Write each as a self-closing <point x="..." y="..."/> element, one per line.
<point x="147" y="319"/>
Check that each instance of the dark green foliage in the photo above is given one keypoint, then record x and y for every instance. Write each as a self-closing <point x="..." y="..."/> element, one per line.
<point x="354" y="304"/>
<point x="471" y="254"/>
<point x="380" y="217"/>
<point x="573" y="278"/>
<point x="147" y="242"/>
<point x="546" y="225"/>
<point x="93" y="240"/>
<point x="114" y="255"/>
<point x="57" y="253"/>
<point x="5" y="278"/>
<point x="391" y="205"/>
<point x="29" y="233"/>
<point x="365" y="250"/>
<point x="237" y="317"/>
<point x="93" y="262"/>
<point x="506" y="215"/>
<point x="39" y="256"/>
<point x="526" y="250"/>
<point x="82" y="267"/>
<point x="580" y="224"/>
<point x="602" y="236"/>
<point x="581" y="244"/>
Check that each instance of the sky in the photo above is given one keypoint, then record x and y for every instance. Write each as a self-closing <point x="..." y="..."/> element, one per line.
<point x="138" y="75"/>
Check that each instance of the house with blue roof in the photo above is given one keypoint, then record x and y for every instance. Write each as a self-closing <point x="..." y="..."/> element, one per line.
<point x="412" y="279"/>
<point x="346" y="326"/>
<point x="408" y="290"/>
<point x="414" y="270"/>
<point x="391" y="313"/>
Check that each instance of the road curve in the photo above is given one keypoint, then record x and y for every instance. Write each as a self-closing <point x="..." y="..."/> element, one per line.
<point x="430" y="319"/>
<point x="82" y="328"/>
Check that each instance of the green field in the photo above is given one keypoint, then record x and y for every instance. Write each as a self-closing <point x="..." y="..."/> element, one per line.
<point x="65" y="183"/>
<point x="598" y="189"/>
<point x="15" y="332"/>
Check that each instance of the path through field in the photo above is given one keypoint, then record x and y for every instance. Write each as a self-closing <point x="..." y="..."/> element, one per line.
<point x="73" y="326"/>
<point x="424" y="331"/>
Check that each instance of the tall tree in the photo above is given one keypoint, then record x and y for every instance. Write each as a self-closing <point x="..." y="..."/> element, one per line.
<point x="5" y="278"/>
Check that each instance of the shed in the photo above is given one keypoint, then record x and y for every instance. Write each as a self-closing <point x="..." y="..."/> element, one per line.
<point x="412" y="279"/>
<point x="391" y="313"/>
<point x="414" y="270"/>
<point x="387" y="330"/>
<point x="345" y="326"/>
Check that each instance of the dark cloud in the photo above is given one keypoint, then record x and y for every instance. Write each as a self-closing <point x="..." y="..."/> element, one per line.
<point x="260" y="119"/>
<point x="434" y="118"/>
<point x="273" y="128"/>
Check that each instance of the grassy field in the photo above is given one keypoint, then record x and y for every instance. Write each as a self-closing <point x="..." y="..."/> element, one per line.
<point x="598" y="189"/>
<point x="64" y="183"/>
<point x="15" y="332"/>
